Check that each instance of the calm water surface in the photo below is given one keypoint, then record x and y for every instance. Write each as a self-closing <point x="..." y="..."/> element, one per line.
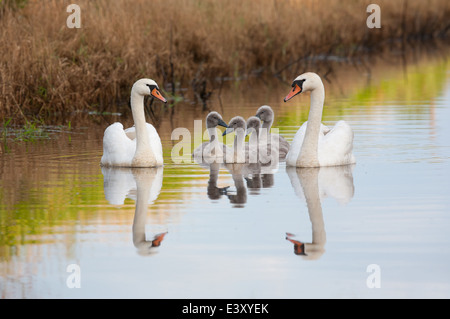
<point x="287" y="233"/>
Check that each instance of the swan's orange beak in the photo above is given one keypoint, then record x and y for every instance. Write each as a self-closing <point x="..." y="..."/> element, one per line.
<point x="158" y="95"/>
<point x="299" y="247"/>
<point x="295" y="90"/>
<point x="158" y="239"/>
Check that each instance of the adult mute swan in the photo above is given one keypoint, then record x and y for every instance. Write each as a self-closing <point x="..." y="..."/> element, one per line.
<point x="210" y="151"/>
<point x="139" y="146"/>
<point x="314" y="146"/>
<point x="266" y="115"/>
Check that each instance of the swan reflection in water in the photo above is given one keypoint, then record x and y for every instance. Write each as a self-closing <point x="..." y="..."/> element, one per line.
<point x="142" y="185"/>
<point x="313" y="185"/>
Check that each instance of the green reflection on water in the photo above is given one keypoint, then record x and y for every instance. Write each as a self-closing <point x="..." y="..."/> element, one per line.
<point x="36" y="203"/>
<point x="71" y="197"/>
<point x="412" y="89"/>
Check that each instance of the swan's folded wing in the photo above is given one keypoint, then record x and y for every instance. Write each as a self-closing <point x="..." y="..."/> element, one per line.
<point x="118" y="149"/>
<point x="335" y="148"/>
<point x="324" y="129"/>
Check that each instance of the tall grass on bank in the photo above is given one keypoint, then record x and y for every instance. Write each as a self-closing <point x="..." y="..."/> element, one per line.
<point x="48" y="70"/>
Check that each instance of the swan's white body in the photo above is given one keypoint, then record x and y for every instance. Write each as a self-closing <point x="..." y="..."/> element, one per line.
<point x="138" y="146"/>
<point x="119" y="149"/>
<point x="334" y="145"/>
<point x="314" y="145"/>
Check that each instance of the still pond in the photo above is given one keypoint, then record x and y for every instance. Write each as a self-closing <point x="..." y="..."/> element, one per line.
<point x="376" y="229"/>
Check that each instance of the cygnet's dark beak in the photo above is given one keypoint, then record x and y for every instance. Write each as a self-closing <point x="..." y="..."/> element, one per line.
<point x="222" y="123"/>
<point x="228" y="130"/>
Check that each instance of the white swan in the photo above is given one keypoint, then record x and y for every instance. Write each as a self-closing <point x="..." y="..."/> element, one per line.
<point x="313" y="146"/>
<point x="210" y="151"/>
<point x="266" y="115"/>
<point x="139" y="146"/>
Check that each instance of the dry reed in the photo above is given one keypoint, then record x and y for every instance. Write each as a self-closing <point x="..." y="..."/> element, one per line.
<point x="48" y="70"/>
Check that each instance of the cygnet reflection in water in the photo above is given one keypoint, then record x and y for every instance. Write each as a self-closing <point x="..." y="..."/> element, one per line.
<point x="245" y="177"/>
<point x="213" y="191"/>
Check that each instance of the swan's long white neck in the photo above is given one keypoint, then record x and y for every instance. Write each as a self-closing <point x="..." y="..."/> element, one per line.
<point x="144" y="153"/>
<point x="309" y="153"/>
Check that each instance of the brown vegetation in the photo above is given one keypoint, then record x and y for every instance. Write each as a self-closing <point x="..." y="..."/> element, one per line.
<point x="48" y="70"/>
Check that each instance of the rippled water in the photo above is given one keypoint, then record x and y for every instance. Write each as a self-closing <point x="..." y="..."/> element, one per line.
<point x="291" y="233"/>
